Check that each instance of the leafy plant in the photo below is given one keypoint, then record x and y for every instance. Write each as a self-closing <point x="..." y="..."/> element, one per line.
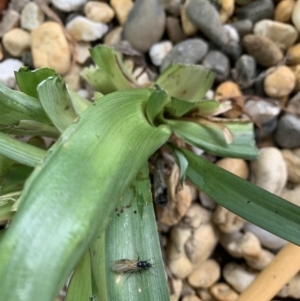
<point x="88" y="200"/>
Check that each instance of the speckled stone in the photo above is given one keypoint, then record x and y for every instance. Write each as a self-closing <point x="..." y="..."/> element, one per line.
<point x="190" y="51"/>
<point x="32" y="16"/>
<point x="245" y="70"/>
<point x="140" y="30"/>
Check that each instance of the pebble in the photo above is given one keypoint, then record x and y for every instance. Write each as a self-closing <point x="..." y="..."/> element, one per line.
<point x="72" y="78"/>
<point x="291" y="289"/>
<point x="16" y="41"/>
<point x="205" y="275"/>
<point x="283" y="11"/>
<point x="173" y="7"/>
<point x="190" y="298"/>
<point x="68" y="5"/>
<point x="291" y="194"/>
<point x="122" y="9"/>
<point x="7" y="69"/>
<point x="287" y="134"/>
<point x="293" y="54"/>
<point x="243" y="27"/>
<point x="27" y="59"/>
<point x="262" y="111"/>
<point x="227" y="221"/>
<point x="188" y="27"/>
<point x="1" y="52"/>
<point x="18" y="5"/>
<point x="82" y="52"/>
<point x="265" y="52"/>
<point x="83" y="29"/>
<point x="229" y="90"/>
<point x="236" y="166"/>
<point x="206" y="18"/>
<point x="217" y="62"/>
<point x="190" y="51"/>
<point x="283" y="35"/>
<point x="159" y="51"/>
<point x="140" y="30"/>
<point x="238" y="276"/>
<point x="244" y="71"/>
<point x="50" y="47"/>
<point x="226" y="10"/>
<point x="174" y="30"/>
<point x="260" y="262"/>
<point x="114" y="36"/>
<point x="294" y="104"/>
<point x="31" y="16"/>
<point x="267" y="239"/>
<point x="10" y="19"/>
<point x="223" y="292"/>
<point x="231" y="33"/>
<point x="296" y="71"/>
<point x="256" y="10"/>
<point x="292" y="160"/>
<point x="98" y="11"/>
<point x="296" y="15"/>
<point x="279" y="82"/>
<point x="269" y="171"/>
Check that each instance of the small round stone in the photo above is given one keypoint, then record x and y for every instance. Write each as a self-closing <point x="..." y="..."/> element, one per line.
<point x="140" y="30"/>
<point x="292" y="160"/>
<point x="82" y="52"/>
<point x="10" y="20"/>
<point x="279" y="82"/>
<point x="122" y="9"/>
<point x="83" y="29"/>
<point x="288" y="131"/>
<point x="293" y="54"/>
<point x="283" y="35"/>
<point x="236" y="166"/>
<point x="243" y="27"/>
<point x="226" y="9"/>
<point x="16" y="41"/>
<point x="7" y="69"/>
<point x="158" y="52"/>
<point x="283" y="11"/>
<point x="50" y="47"/>
<point x="296" y="71"/>
<point x="245" y="70"/>
<point x="296" y="15"/>
<point x="191" y="51"/>
<point x="114" y="36"/>
<point x="98" y="11"/>
<point x="31" y="16"/>
<point x="68" y="5"/>
<point x="187" y="26"/>
<point x="265" y="52"/>
<point x="174" y="30"/>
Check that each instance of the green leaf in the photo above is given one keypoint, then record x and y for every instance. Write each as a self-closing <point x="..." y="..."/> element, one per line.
<point x="16" y="106"/>
<point x="21" y="152"/>
<point x="250" y="202"/>
<point x="80" y="287"/>
<point x="186" y="82"/>
<point x="111" y="74"/>
<point x="6" y="204"/>
<point x="79" y="103"/>
<point x="56" y="102"/>
<point x="28" y="80"/>
<point x="179" y="107"/>
<point x="211" y="138"/>
<point x="138" y="241"/>
<point x="68" y="199"/>
<point x="182" y="162"/>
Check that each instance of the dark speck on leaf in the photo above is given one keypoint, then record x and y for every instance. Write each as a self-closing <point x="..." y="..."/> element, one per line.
<point x="134" y="211"/>
<point x="67" y="107"/>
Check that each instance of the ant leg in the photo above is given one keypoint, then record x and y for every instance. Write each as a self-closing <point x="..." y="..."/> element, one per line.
<point x="128" y="277"/>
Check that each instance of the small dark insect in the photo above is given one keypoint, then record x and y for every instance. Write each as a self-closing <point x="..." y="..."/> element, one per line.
<point x="160" y="189"/>
<point x="131" y="266"/>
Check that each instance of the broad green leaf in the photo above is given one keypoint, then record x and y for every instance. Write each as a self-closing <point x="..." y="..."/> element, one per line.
<point x="20" y="152"/>
<point x="6" y="212"/>
<point x="179" y="107"/>
<point x="186" y="82"/>
<point x="16" y="106"/>
<point x="56" y="102"/>
<point x="207" y="107"/>
<point x="212" y="139"/>
<point x="250" y="202"/>
<point x="28" y="80"/>
<point x="111" y="74"/>
<point x="68" y="199"/>
<point x="80" y="287"/>
<point x="138" y="241"/>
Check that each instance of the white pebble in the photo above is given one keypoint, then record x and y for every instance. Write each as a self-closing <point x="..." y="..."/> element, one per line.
<point x="7" y="68"/>
<point x="231" y="33"/>
<point x="83" y="29"/>
<point x="267" y="239"/>
<point x="68" y="5"/>
<point x="158" y="52"/>
<point x="32" y="16"/>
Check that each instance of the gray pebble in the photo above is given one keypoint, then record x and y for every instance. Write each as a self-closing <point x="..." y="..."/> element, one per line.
<point x="244" y="71"/>
<point x="217" y="62"/>
<point x="288" y="131"/>
<point x="145" y="24"/>
<point x="206" y="18"/>
<point x="174" y="30"/>
<point x="190" y="51"/>
<point x="256" y="10"/>
<point x="172" y="6"/>
<point x="266" y="129"/>
<point x="243" y="27"/>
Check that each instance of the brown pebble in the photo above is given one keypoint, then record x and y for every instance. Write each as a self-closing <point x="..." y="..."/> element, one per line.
<point x="238" y="167"/>
<point x="174" y="30"/>
<point x="283" y="11"/>
<point x="293" y="54"/>
<point x="265" y="52"/>
<point x="296" y="70"/>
